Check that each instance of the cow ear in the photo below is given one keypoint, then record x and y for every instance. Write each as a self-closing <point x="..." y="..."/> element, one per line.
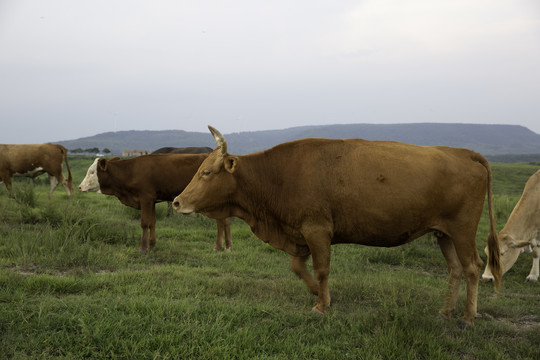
<point x="102" y="164"/>
<point x="231" y="162"/>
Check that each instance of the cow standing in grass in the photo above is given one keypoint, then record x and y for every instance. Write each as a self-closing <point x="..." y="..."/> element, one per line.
<point x="32" y="160"/>
<point x="143" y="181"/>
<point x="521" y="232"/>
<point x="306" y="195"/>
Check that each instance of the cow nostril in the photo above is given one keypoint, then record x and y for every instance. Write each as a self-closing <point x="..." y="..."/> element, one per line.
<point x="176" y="204"/>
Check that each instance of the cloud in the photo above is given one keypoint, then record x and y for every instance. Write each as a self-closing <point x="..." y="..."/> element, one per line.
<point x="407" y="29"/>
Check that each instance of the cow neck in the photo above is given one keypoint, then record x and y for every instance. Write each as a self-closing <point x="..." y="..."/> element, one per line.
<point x="522" y="221"/>
<point x="258" y="187"/>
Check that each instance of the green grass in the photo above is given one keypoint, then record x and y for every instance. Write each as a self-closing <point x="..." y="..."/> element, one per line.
<point x="73" y="285"/>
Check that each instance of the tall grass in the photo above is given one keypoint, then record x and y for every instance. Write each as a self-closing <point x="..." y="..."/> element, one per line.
<point x="73" y="285"/>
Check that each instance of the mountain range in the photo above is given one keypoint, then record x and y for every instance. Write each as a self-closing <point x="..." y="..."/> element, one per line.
<point x="489" y="140"/>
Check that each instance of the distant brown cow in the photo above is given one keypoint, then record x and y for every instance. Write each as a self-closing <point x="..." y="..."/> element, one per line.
<point x="32" y="160"/>
<point x="183" y="150"/>
<point x="522" y="231"/>
<point x="306" y="195"/>
<point x="143" y="181"/>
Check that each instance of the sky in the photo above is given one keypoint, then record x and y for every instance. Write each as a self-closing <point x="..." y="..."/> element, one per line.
<point x="72" y="69"/>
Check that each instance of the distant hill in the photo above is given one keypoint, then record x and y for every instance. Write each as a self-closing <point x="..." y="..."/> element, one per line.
<point x="489" y="140"/>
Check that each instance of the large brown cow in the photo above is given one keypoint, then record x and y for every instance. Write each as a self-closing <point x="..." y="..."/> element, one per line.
<point x="143" y="181"/>
<point x="32" y="160"/>
<point x="522" y="231"/>
<point x="306" y="195"/>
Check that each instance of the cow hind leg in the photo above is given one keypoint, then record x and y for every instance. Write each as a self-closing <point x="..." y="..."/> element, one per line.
<point x="465" y="251"/>
<point x="319" y="242"/>
<point x="7" y="182"/>
<point x="455" y="271"/>
<point x="298" y="266"/>
<point x="53" y="181"/>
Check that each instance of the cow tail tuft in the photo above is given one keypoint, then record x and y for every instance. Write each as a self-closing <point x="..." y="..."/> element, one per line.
<point x="494" y="251"/>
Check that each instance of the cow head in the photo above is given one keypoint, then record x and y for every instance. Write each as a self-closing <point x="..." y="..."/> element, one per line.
<point x="510" y="250"/>
<point x="212" y="185"/>
<point x="90" y="181"/>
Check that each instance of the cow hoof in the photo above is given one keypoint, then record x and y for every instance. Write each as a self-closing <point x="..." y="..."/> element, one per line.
<point x="318" y="311"/>
<point x="531" y="279"/>
<point x="446" y="315"/>
<point x="465" y="325"/>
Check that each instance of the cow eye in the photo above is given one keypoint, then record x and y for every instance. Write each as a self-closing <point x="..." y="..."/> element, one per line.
<point x="205" y="173"/>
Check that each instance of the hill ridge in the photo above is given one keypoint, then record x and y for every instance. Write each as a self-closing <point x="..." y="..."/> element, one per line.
<point x="486" y="139"/>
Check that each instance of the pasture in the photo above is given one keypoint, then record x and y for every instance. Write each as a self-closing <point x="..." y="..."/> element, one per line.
<point x="74" y="285"/>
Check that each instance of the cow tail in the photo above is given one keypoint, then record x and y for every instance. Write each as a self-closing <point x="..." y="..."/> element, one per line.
<point x="494" y="251"/>
<point x="70" y="178"/>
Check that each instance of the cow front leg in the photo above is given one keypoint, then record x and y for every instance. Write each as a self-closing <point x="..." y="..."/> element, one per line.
<point x="148" y="221"/>
<point x="219" y="239"/>
<point x="227" y="230"/>
<point x="153" y="227"/>
<point x="224" y="230"/>
<point x="298" y="266"/>
<point x="144" y="238"/>
<point x="533" y="276"/>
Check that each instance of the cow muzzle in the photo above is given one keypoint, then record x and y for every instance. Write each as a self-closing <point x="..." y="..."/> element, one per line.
<point x="180" y="207"/>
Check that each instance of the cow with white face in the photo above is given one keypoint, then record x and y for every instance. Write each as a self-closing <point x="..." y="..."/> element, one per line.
<point x="143" y="181"/>
<point x="90" y="182"/>
<point x="521" y="234"/>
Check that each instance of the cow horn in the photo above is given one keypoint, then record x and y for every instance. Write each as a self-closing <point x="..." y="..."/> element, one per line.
<point x="220" y="140"/>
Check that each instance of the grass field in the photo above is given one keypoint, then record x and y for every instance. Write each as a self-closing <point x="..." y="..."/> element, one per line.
<point x="73" y="285"/>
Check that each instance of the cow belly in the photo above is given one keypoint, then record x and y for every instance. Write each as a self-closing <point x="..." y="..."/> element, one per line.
<point x="380" y="238"/>
<point x="31" y="173"/>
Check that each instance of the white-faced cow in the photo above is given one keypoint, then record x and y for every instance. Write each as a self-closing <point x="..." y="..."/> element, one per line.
<point x="143" y="181"/>
<point x="32" y="160"/>
<point x="306" y="195"/>
<point x="522" y="231"/>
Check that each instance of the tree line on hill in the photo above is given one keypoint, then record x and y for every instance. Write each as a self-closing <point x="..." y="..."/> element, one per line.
<point x="93" y="150"/>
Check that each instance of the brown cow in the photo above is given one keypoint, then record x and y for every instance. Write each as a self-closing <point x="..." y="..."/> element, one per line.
<point x="306" y="195"/>
<point x="522" y="231"/>
<point x="143" y="181"/>
<point x="32" y="160"/>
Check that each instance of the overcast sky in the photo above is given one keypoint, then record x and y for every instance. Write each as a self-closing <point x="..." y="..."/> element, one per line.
<point x="71" y="69"/>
